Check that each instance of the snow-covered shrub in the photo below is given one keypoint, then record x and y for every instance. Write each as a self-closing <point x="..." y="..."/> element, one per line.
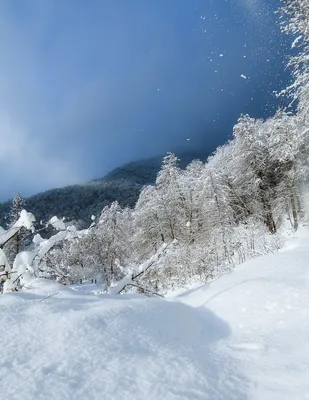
<point x="30" y="263"/>
<point x="252" y="240"/>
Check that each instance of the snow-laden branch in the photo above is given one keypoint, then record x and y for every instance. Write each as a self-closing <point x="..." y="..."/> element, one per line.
<point x="25" y="220"/>
<point x="27" y="263"/>
<point x="130" y="279"/>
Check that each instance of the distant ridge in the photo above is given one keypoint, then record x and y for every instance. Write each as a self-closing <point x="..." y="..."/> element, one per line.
<point x="79" y="202"/>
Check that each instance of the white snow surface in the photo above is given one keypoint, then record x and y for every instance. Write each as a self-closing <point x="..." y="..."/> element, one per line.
<point x="265" y="302"/>
<point x="244" y="336"/>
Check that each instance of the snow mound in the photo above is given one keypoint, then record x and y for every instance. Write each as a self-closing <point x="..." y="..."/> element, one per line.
<point x="64" y="344"/>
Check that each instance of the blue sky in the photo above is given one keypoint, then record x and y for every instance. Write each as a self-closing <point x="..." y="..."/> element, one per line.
<point x="88" y="85"/>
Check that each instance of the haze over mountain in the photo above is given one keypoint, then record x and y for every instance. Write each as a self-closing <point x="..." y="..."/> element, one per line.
<point x="86" y="87"/>
<point x="79" y="202"/>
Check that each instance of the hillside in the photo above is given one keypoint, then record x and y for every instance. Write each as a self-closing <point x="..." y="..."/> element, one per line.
<point x="79" y="202"/>
<point x="244" y="336"/>
<point x="265" y="303"/>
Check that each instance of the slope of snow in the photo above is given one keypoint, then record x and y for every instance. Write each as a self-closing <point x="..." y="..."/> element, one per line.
<point x="243" y="337"/>
<point x="266" y="304"/>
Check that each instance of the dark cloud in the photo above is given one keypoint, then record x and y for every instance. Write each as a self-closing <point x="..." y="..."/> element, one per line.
<point x="85" y="87"/>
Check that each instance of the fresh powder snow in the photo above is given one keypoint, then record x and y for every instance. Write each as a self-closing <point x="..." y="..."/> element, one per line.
<point x="243" y="336"/>
<point x="265" y="303"/>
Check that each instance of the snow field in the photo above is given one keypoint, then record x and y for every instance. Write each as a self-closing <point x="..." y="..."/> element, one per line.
<point x="101" y="347"/>
<point x="242" y="337"/>
<point x="266" y="304"/>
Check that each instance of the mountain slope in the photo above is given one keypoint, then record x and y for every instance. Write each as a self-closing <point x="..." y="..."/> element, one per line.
<point x="79" y="202"/>
<point x="244" y="336"/>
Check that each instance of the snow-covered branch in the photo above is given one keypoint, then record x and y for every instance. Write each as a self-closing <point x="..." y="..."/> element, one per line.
<point x="25" y="220"/>
<point x="130" y="279"/>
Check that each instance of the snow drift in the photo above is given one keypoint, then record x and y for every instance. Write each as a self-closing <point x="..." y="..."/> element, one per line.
<point x="101" y="347"/>
<point x="244" y="336"/>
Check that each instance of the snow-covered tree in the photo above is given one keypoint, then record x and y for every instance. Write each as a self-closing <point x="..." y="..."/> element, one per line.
<point x="288" y="153"/>
<point x="170" y="197"/>
<point x="255" y="173"/>
<point x="114" y="234"/>
<point x="18" y="242"/>
<point x="295" y="22"/>
<point x="150" y="230"/>
<point x="96" y="253"/>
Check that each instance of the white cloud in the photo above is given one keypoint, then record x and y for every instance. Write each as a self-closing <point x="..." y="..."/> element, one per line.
<point x="29" y="156"/>
<point x="23" y="159"/>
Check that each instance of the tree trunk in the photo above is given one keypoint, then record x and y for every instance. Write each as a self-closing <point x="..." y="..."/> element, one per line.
<point x="294" y="211"/>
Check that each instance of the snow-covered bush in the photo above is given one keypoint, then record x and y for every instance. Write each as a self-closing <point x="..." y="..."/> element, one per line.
<point x="30" y="263"/>
<point x="253" y="240"/>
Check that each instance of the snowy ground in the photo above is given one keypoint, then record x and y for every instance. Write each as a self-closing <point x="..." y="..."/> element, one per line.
<point x="266" y="305"/>
<point x="245" y="336"/>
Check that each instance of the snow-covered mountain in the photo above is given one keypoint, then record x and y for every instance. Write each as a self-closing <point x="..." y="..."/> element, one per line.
<point x="79" y="202"/>
<point x="243" y="336"/>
